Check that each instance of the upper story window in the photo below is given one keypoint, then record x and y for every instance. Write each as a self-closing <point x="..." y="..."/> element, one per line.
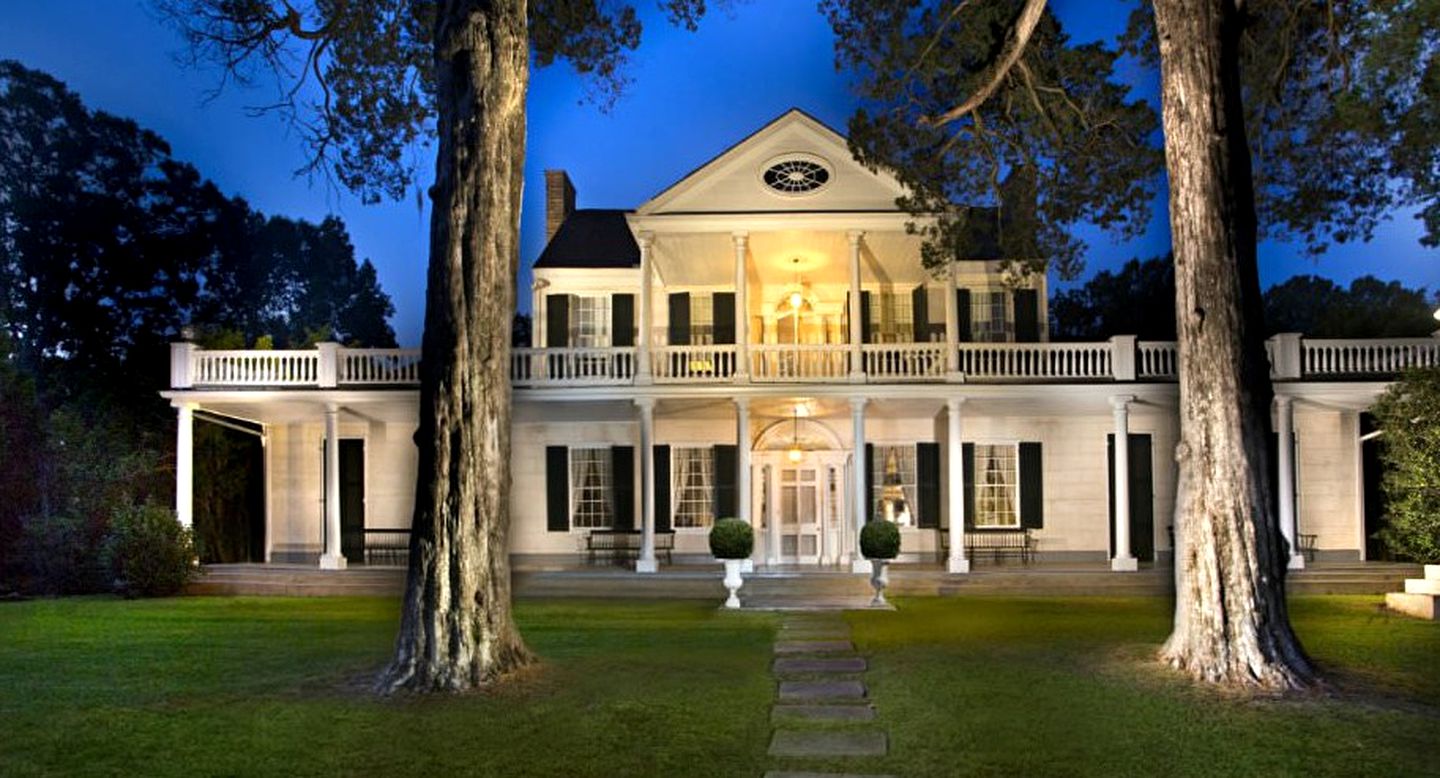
<point x="797" y="174"/>
<point x="590" y="322"/>
<point x="989" y="317"/>
<point x="892" y="318"/>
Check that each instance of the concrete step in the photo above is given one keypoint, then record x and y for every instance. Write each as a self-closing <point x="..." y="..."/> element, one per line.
<point x="821" y="691"/>
<point x="1421" y="606"/>
<point x="1422" y="585"/>
<point x="828" y="744"/>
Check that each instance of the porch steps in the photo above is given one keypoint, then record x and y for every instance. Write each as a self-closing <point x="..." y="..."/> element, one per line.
<point x="786" y="590"/>
<point x="1421" y="597"/>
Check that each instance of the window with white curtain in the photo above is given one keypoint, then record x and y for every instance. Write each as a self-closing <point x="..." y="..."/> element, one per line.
<point x="590" y="321"/>
<point x="892" y="317"/>
<point x="702" y="319"/>
<point x="989" y="317"/>
<point x="692" y="475"/>
<point x="894" y="470"/>
<point x="590" y="485"/>
<point x="996" y="491"/>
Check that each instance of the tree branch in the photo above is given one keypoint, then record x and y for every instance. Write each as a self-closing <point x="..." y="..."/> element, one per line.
<point x="1015" y="46"/>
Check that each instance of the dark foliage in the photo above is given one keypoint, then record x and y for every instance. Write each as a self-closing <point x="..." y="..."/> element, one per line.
<point x="147" y="552"/>
<point x="731" y="539"/>
<point x="880" y="539"/>
<point x="1139" y="299"/>
<point x="1409" y="416"/>
<point x="1370" y="308"/>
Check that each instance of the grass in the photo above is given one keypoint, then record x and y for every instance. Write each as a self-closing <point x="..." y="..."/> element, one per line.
<point x="980" y="686"/>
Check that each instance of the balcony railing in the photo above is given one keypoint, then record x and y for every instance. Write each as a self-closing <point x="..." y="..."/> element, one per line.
<point x="1119" y="359"/>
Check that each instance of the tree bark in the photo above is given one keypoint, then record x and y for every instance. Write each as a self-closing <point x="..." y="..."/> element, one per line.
<point x="456" y="628"/>
<point x="1231" y="622"/>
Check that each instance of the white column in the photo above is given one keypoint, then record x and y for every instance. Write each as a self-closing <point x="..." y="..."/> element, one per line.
<point x="185" y="464"/>
<point x="742" y="310"/>
<point x="772" y="518"/>
<point x="646" y="563"/>
<point x="857" y="365"/>
<point x="1285" y="461"/>
<point x="642" y="356"/>
<point x="859" y="511"/>
<point x="1124" y="561"/>
<point x="957" y="563"/>
<point x="332" y="559"/>
<point x="952" y="328"/>
<point x="742" y="447"/>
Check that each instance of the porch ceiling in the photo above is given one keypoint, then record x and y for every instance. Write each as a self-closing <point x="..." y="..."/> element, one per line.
<point x="819" y="256"/>
<point x="297" y="406"/>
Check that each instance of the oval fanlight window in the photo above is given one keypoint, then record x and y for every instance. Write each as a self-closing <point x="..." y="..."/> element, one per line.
<point x="796" y="176"/>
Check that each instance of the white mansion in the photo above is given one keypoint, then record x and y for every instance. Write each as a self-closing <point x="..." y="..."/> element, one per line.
<point x="760" y="340"/>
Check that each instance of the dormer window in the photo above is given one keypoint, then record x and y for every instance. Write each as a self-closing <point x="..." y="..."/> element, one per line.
<point x="796" y="175"/>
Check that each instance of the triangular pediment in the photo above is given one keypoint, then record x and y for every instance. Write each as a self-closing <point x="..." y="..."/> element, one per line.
<point x="734" y="181"/>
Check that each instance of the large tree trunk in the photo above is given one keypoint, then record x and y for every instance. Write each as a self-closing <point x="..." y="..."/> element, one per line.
<point x="456" y="629"/>
<point x="1231" y="622"/>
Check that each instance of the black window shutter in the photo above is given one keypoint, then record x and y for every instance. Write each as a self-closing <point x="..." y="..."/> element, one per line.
<point x="622" y="489"/>
<point x="867" y="334"/>
<point x="869" y="483"/>
<point x="727" y="463"/>
<point x="920" y="313"/>
<point x="680" y="319"/>
<point x="723" y="307"/>
<point x="967" y="472"/>
<point x="622" y="319"/>
<point x="557" y="489"/>
<point x="1032" y="491"/>
<point x="557" y="320"/>
<point x="1027" y="316"/>
<point x="962" y="305"/>
<point x="927" y="486"/>
<point x="662" y="488"/>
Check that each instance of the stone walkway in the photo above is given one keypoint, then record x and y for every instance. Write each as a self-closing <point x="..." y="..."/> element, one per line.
<point x="823" y="710"/>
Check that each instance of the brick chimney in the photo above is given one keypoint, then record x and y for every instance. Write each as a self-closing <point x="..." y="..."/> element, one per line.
<point x="559" y="201"/>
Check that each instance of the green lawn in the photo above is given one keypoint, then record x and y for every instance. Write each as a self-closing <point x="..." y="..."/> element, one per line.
<point x="964" y="686"/>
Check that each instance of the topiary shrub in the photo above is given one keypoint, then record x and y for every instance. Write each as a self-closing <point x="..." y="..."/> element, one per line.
<point x="1409" y="415"/>
<point x="731" y="539"/>
<point x="148" y="552"/>
<point x="880" y="539"/>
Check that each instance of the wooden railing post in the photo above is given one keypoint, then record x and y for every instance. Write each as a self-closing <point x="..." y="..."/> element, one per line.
<point x="182" y="365"/>
<point x="329" y="373"/>
<point x="1122" y="357"/>
<point x="1285" y="355"/>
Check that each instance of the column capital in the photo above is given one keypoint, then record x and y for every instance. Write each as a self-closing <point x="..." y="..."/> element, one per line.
<point x="1121" y="402"/>
<point x="645" y="238"/>
<point x="645" y="403"/>
<point x="857" y="404"/>
<point x="1283" y="401"/>
<point x="332" y="408"/>
<point x="740" y="237"/>
<point x="855" y="236"/>
<point x="953" y="403"/>
<point x="742" y="403"/>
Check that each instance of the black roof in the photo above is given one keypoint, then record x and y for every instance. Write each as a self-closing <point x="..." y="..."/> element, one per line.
<point x="592" y="237"/>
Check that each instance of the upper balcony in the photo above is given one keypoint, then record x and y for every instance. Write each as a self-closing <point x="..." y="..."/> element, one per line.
<point x="1119" y="359"/>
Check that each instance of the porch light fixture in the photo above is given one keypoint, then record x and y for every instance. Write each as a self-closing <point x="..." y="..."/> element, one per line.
<point x="795" y="454"/>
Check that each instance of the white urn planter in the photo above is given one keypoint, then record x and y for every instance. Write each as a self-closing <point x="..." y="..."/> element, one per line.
<point x="879" y="579"/>
<point x="733" y="581"/>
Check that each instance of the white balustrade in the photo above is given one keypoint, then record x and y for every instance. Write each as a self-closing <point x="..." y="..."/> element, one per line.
<point x="1036" y="361"/>
<point x="693" y="364"/>
<point x="1367" y="357"/>
<point x="572" y="366"/>
<point x="1158" y="359"/>
<point x="380" y="366"/>
<point x="255" y="368"/>
<point x="904" y="361"/>
<point x="772" y="362"/>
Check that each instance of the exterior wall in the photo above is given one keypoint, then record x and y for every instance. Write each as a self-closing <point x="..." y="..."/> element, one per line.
<point x="297" y="489"/>
<point x="1328" y="482"/>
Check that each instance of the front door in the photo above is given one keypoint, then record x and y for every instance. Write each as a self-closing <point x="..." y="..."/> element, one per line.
<point x="799" y="506"/>
<point x="352" y="500"/>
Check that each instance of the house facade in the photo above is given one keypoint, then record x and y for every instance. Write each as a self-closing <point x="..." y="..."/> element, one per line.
<point x="760" y="340"/>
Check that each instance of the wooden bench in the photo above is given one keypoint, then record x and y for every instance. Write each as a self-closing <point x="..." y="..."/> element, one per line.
<point x="619" y="546"/>
<point x="998" y="543"/>
<point x="387" y="547"/>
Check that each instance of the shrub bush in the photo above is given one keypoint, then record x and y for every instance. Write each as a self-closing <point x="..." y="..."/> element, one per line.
<point x="731" y="539"/>
<point x="880" y="539"/>
<point x="1409" y="415"/>
<point x="148" y="552"/>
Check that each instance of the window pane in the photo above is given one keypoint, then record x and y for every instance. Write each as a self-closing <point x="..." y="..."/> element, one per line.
<point x="590" y="322"/>
<point x="590" y="480"/>
<point x="996" y="486"/>
<point x="693" y="486"/>
<point x="892" y="476"/>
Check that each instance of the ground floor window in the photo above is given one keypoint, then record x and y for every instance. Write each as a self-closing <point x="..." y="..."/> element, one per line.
<point x="693" y="477"/>
<point x="590" y="479"/>
<point x="997" y="494"/>
<point x="893" y="479"/>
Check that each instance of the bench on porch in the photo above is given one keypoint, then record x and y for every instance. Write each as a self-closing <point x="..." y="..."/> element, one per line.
<point x="998" y="543"/>
<point x="619" y="546"/>
<point x="387" y="546"/>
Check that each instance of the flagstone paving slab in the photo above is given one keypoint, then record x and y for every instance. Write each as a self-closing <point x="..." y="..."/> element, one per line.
<point x="822" y="713"/>
<point x="834" y="664"/>
<point x="791" y="691"/>
<point x="788" y="774"/>
<point x="828" y="743"/>
<point x="813" y="647"/>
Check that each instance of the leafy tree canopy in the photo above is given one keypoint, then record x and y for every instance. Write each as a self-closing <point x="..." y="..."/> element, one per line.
<point x="1409" y="416"/>
<point x="1138" y="299"/>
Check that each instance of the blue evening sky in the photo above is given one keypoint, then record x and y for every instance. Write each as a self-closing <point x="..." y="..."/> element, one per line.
<point x="691" y="96"/>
